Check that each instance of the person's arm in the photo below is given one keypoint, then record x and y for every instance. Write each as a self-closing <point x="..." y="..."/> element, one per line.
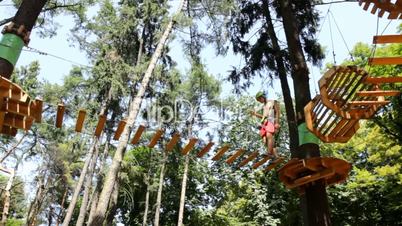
<point x="255" y="114"/>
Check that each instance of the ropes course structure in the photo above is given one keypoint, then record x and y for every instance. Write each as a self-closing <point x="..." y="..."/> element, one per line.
<point x="347" y="95"/>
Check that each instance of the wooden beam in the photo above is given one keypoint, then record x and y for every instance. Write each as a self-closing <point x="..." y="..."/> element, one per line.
<point x="236" y="155"/>
<point x="368" y="103"/>
<point x="137" y="135"/>
<point x="249" y="158"/>
<point x="80" y="120"/>
<point x="382" y="39"/>
<point x="18" y="121"/>
<point x="377" y="93"/>
<point x="380" y="80"/>
<point x="158" y="134"/>
<point x="385" y="61"/>
<point x="59" y="115"/>
<point x="2" y="115"/>
<point x="37" y="108"/>
<point x="189" y="146"/>
<point x="100" y="126"/>
<point x="221" y="152"/>
<point x="262" y="161"/>
<point x="8" y="130"/>
<point x="205" y="149"/>
<point x="119" y="129"/>
<point x="274" y="164"/>
<point x="173" y="141"/>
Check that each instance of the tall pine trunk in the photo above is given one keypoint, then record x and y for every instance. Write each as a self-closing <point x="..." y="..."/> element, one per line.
<point x="37" y="202"/>
<point x="26" y="16"/>
<point x="282" y="74"/>
<point x="314" y="201"/>
<point x="183" y="191"/>
<point x="113" y="205"/>
<point x="79" y="184"/>
<point x="7" y="198"/>
<point x="148" y="183"/>
<point x="63" y="200"/>
<point x="87" y="190"/>
<point x="132" y="115"/>
<point x="95" y="196"/>
<point x="160" y="188"/>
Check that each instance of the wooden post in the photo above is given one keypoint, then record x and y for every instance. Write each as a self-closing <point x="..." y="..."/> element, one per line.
<point x="158" y="134"/>
<point x="59" y="115"/>
<point x="137" y="135"/>
<point x="189" y="146"/>
<point x="80" y="120"/>
<point x="173" y="142"/>
<point x="100" y="126"/>
<point x="221" y="152"/>
<point x="119" y="129"/>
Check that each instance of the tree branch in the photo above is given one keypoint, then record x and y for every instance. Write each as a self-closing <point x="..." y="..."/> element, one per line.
<point x="2" y="22"/>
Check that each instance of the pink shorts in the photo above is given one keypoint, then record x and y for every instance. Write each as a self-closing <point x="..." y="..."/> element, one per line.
<point x="267" y="127"/>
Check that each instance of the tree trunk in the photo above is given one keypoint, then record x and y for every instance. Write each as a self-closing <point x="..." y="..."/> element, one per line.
<point x="133" y="111"/>
<point x="98" y="188"/>
<point x="315" y="200"/>
<point x="282" y="74"/>
<point x="6" y="205"/>
<point x="63" y="200"/>
<point x="159" y="195"/>
<point x="147" y="182"/>
<point x="113" y="205"/>
<point x="183" y="191"/>
<point x="26" y="15"/>
<point x="37" y="202"/>
<point x="87" y="190"/>
<point x="80" y="182"/>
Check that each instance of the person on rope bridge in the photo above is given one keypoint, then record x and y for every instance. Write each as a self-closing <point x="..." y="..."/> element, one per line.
<point x="269" y="122"/>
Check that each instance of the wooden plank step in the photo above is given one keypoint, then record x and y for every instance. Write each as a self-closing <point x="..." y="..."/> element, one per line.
<point x="236" y="155"/>
<point x="158" y="134"/>
<point x="221" y="152"/>
<point x="80" y="120"/>
<point x="137" y="135"/>
<point x="120" y="129"/>
<point x="380" y="80"/>
<point x="274" y="164"/>
<point x="189" y="146"/>
<point x="205" y="149"/>
<point x="249" y="158"/>
<point x="175" y="138"/>
<point x="100" y="126"/>
<point x="368" y="103"/>
<point x="382" y="39"/>
<point x="385" y="61"/>
<point x="59" y="115"/>
<point x="37" y="108"/>
<point x="376" y="93"/>
<point x="262" y="161"/>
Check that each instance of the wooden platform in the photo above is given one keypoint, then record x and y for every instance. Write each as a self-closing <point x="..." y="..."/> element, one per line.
<point x="347" y="94"/>
<point x="17" y="110"/>
<point x="300" y="173"/>
<point x="383" y="7"/>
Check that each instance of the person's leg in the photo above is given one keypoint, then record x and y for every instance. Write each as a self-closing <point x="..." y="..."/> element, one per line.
<point x="270" y="144"/>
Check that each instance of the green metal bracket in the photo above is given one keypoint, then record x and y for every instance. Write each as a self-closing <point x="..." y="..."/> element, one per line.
<point x="305" y="136"/>
<point x="11" y="47"/>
